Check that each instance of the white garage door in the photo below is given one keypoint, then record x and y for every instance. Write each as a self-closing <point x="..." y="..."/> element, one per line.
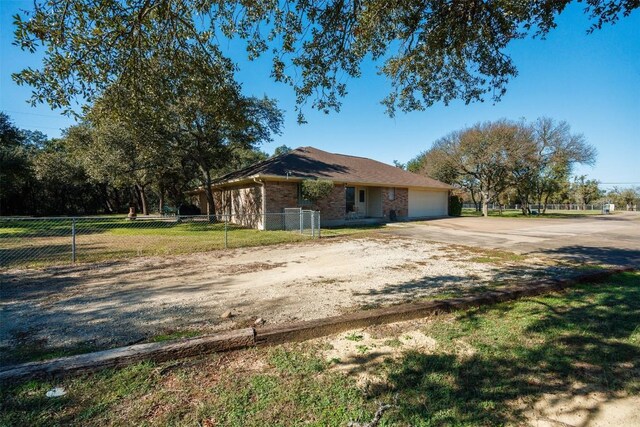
<point x="423" y="203"/>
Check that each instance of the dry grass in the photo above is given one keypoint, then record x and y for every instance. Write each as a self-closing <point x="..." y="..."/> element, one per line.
<point x="482" y="366"/>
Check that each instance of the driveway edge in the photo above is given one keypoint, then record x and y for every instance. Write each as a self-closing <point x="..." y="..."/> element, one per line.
<point x="279" y="334"/>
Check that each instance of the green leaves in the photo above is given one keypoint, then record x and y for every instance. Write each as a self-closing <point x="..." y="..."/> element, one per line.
<point x="431" y="51"/>
<point x="316" y="189"/>
<point x="527" y="162"/>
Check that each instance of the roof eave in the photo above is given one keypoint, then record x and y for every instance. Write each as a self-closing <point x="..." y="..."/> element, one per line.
<point x="267" y="177"/>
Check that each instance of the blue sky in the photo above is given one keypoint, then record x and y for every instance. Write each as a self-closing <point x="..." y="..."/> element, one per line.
<point x="591" y="81"/>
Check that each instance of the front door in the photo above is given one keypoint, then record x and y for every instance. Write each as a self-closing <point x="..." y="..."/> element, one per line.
<point x="361" y="201"/>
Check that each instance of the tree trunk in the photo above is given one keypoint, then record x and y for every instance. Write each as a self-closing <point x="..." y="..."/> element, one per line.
<point x="105" y="199"/>
<point x="539" y="204"/>
<point x="108" y="206"/>
<point x="117" y="200"/>
<point x="485" y="204"/>
<point x="134" y="197"/>
<point x="143" y="198"/>
<point x="211" y="210"/>
<point x="544" y="205"/>
<point x="475" y="202"/>
<point x="524" y="199"/>
<point x="161" y="199"/>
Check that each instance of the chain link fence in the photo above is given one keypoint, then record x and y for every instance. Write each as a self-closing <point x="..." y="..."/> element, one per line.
<point x="540" y="208"/>
<point x="37" y="242"/>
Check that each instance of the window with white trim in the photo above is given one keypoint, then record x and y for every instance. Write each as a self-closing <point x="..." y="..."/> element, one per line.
<point x="392" y="193"/>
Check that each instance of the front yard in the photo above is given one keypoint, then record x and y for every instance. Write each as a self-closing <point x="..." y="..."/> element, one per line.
<point x="563" y="359"/>
<point x="69" y="309"/>
<point x="46" y="242"/>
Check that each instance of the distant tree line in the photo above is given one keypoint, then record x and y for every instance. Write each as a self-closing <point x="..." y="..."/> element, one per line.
<point x="515" y="162"/>
<point x="98" y="169"/>
<point x="623" y="198"/>
<point x="171" y="118"/>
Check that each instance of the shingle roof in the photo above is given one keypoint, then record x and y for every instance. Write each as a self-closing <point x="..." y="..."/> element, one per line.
<point x="309" y="162"/>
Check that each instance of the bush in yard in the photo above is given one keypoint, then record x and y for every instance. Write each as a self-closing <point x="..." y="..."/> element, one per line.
<point x="316" y="189"/>
<point x="455" y="206"/>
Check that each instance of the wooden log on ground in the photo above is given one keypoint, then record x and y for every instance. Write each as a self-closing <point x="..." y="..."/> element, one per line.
<point x="118" y="357"/>
<point x="278" y="334"/>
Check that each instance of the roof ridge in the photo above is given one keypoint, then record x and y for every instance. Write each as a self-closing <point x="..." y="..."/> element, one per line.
<point x="252" y="166"/>
<point x="309" y="162"/>
<point x="345" y="155"/>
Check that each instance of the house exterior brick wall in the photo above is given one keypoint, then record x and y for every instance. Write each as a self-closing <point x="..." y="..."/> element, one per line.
<point x="280" y="195"/>
<point x="334" y="206"/>
<point x="243" y="204"/>
<point x="400" y="203"/>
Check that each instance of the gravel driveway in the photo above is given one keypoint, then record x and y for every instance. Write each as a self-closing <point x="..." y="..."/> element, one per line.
<point x="598" y="239"/>
<point x="111" y="304"/>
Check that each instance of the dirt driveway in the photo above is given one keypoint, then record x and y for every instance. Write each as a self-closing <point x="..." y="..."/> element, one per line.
<point x="111" y="304"/>
<point x="598" y="239"/>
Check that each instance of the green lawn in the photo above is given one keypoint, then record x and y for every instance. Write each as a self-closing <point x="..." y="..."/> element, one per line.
<point x="37" y="243"/>
<point x="518" y="213"/>
<point x="487" y="365"/>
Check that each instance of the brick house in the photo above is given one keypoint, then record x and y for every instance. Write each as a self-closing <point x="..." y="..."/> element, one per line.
<point x="364" y="190"/>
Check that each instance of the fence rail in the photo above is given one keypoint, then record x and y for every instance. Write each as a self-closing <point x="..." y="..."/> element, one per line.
<point x="34" y="242"/>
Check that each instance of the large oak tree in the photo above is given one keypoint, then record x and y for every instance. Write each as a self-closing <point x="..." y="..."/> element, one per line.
<point x="431" y="51"/>
<point x="494" y="158"/>
<point x="186" y="112"/>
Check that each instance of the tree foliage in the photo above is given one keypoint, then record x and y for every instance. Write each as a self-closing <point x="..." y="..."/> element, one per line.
<point x="15" y="174"/>
<point x="189" y="116"/>
<point x="455" y="205"/>
<point x="431" y="51"/>
<point x="547" y="160"/>
<point x="624" y="198"/>
<point x="479" y="158"/>
<point x="282" y="149"/>
<point x="316" y="189"/>
<point x="585" y="191"/>
<point x="103" y="165"/>
<point x="529" y="162"/>
<point x="41" y="176"/>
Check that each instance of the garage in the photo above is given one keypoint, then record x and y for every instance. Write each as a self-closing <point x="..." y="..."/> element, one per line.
<point x="426" y="203"/>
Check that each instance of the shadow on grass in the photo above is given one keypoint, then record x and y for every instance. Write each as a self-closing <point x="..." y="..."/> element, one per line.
<point x="51" y="312"/>
<point x="581" y="342"/>
<point x="597" y="255"/>
<point x="457" y="285"/>
<point x="461" y="284"/>
<point x="15" y="257"/>
<point x="578" y="342"/>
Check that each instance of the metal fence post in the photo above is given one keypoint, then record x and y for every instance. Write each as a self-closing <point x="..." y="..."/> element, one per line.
<point x="73" y="240"/>
<point x="301" y="221"/>
<point x="225" y="231"/>
<point x="313" y="229"/>
<point x="319" y="226"/>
